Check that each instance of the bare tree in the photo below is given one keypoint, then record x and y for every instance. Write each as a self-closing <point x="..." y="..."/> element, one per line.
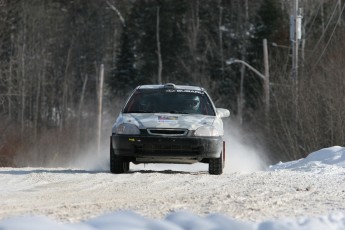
<point x="159" y="54"/>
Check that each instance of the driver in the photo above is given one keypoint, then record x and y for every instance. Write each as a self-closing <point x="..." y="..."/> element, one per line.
<point x="192" y="103"/>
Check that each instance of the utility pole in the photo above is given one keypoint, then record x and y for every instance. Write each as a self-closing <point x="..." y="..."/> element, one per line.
<point x="295" y="37"/>
<point x="295" y="34"/>
<point x="262" y="76"/>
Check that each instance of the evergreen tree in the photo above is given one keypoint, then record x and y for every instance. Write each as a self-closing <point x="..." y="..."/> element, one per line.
<point x="137" y="61"/>
<point x="269" y="23"/>
<point x="124" y="76"/>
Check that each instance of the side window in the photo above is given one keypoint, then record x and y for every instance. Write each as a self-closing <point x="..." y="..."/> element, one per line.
<point x="206" y="107"/>
<point x="131" y="104"/>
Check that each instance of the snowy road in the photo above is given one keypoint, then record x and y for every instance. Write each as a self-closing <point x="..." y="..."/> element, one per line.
<point x="75" y="195"/>
<point x="309" y="192"/>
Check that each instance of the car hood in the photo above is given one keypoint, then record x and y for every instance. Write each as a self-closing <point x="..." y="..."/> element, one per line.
<point x="167" y="120"/>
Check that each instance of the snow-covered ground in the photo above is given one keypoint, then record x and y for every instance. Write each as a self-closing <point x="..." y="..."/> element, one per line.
<point x="303" y="194"/>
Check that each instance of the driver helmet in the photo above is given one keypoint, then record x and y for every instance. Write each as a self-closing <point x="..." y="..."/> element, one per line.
<point x="193" y="102"/>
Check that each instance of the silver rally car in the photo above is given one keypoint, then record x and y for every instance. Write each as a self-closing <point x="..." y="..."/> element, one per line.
<point x="168" y="124"/>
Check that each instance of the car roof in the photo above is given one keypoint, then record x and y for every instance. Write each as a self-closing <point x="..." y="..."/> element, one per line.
<point x="171" y="86"/>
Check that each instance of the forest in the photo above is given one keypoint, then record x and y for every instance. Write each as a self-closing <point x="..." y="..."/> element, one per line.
<point x="52" y="54"/>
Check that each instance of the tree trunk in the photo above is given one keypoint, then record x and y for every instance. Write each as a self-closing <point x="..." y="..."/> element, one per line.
<point x="37" y="102"/>
<point x="23" y="91"/>
<point x="65" y="89"/>
<point x="81" y="104"/>
<point x="100" y="108"/>
<point x="244" y="57"/>
<point x="221" y="37"/>
<point x="160" y="64"/>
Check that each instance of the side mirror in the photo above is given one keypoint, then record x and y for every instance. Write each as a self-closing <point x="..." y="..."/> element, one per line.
<point x="223" y="112"/>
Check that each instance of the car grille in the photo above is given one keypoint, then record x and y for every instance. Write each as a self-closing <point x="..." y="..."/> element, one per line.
<point x="168" y="132"/>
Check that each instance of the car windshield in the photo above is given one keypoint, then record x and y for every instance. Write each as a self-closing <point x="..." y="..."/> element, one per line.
<point x="169" y="101"/>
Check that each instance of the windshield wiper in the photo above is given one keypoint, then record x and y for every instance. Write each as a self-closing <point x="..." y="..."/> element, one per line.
<point x="140" y="111"/>
<point x="178" y="112"/>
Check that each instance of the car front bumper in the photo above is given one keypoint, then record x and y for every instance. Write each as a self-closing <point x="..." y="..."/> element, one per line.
<point x="152" y="149"/>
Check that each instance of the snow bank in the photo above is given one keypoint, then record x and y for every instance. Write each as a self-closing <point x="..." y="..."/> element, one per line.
<point x="328" y="160"/>
<point x="175" y="221"/>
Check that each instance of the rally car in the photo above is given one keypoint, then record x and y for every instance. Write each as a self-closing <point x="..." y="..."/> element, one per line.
<point x="168" y="124"/>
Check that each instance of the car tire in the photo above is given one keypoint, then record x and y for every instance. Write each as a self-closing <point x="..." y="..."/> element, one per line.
<point x="216" y="165"/>
<point x="117" y="164"/>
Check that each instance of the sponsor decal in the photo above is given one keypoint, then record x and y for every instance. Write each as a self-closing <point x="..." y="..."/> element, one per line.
<point x="167" y="119"/>
<point x="183" y="91"/>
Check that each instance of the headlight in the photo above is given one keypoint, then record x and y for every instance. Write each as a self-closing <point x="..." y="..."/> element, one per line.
<point x="206" y="131"/>
<point x="127" y="129"/>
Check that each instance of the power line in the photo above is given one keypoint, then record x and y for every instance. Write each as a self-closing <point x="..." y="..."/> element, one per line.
<point x="330" y="38"/>
<point x="313" y="21"/>
<point x="324" y="32"/>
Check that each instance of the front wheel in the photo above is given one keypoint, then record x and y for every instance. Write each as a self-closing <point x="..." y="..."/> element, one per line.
<point x="216" y="165"/>
<point x="117" y="164"/>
